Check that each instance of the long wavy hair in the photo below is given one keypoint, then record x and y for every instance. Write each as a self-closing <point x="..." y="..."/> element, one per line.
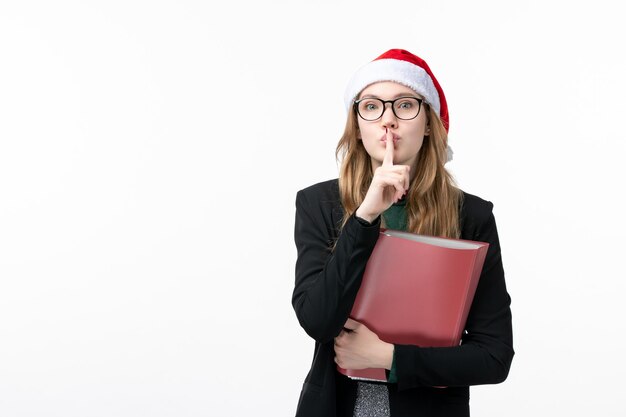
<point x="433" y="200"/>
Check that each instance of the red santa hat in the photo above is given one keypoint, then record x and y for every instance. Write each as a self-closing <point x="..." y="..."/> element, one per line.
<point x="405" y="68"/>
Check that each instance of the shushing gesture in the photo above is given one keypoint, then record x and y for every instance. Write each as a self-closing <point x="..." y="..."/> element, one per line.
<point x="389" y="184"/>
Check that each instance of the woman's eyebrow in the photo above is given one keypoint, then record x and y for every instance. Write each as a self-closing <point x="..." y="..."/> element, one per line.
<point x="394" y="97"/>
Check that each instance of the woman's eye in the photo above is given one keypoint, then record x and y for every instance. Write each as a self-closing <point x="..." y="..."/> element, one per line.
<point x="405" y="105"/>
<point x="371" y="106"/>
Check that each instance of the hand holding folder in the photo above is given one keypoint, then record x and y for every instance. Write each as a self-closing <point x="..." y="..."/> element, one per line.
<point x="417" y="290"/>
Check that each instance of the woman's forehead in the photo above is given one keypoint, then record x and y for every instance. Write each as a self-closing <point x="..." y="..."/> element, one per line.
<point x="387" y="90"/>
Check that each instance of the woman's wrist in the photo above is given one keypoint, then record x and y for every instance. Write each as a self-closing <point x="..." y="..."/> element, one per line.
<point x="386" y="358"/>
<point x="365" y="216"/>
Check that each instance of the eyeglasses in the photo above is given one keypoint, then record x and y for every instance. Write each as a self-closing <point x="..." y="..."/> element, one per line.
<point x="404" y="108"/>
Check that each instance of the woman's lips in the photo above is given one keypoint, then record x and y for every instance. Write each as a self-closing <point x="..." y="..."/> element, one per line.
<point x="396" y="138"/>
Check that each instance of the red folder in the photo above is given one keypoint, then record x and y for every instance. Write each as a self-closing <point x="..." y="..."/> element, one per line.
<point x="417" y="290"/>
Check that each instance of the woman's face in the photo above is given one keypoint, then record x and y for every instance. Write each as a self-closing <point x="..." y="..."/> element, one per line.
<point x="408" y="134"/>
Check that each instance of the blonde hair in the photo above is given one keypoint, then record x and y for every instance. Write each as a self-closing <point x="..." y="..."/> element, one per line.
<point x="433" y="199"/>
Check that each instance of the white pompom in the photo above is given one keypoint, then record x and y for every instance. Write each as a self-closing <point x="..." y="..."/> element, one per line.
<point x="450" y="153"/>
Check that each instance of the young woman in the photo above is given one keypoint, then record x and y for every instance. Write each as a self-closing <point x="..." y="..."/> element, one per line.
<point x="393" y="152"/>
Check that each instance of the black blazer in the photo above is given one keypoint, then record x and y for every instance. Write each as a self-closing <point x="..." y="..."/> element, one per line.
<point x="325" y="289"/>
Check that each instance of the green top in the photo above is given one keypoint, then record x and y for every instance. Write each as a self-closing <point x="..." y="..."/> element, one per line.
<point x="395" y="218"/>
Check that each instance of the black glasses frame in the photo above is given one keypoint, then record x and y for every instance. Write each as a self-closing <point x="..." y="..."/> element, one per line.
<point x="393" y="109"/>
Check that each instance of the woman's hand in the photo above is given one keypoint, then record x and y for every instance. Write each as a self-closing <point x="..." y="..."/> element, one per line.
<point x="360" y="348"/>
<point x="389" y="184"/>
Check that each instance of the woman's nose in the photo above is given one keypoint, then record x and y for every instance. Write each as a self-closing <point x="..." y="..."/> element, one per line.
<point x="389" y="118"/>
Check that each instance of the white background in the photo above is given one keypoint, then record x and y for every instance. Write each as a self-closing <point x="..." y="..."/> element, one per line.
<point x="150" y="152"/>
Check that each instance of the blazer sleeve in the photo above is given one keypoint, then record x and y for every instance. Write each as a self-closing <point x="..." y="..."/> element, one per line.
<point x="327" y="282"/>
<point x="486" y="351"/>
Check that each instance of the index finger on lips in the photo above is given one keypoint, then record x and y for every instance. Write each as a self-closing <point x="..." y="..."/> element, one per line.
<point x="388" y="160"/>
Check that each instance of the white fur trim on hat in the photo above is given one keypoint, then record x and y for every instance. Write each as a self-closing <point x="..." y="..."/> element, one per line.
<point x="403" y="72"/>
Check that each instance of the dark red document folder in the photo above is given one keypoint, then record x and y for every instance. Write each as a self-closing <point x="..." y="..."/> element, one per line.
<point x="417" y="290"/>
